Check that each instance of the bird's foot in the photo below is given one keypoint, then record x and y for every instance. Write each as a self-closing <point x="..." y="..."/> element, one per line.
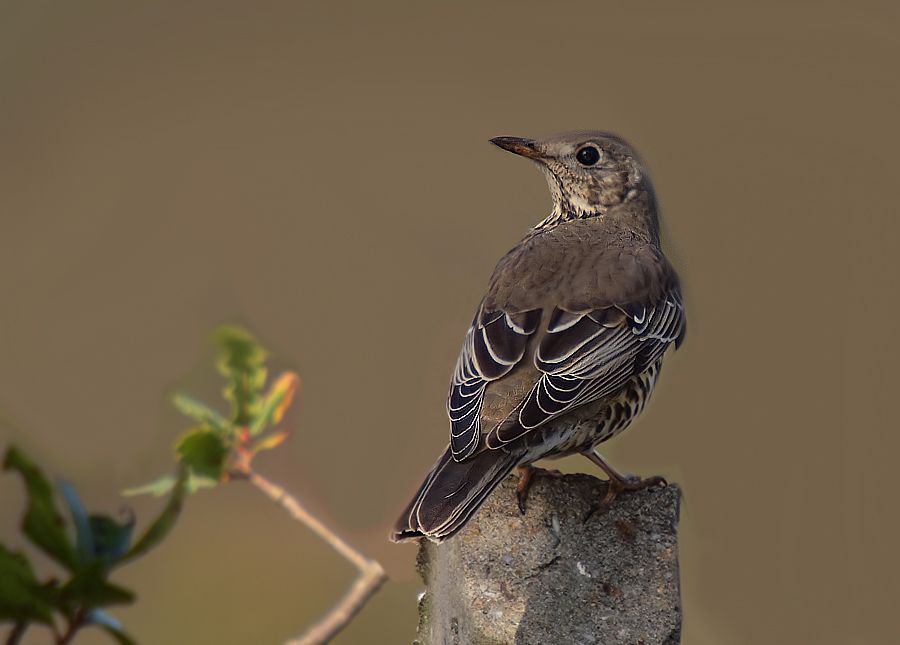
<point x="617" y="483"/>
<point x="633" y="482"/>
<point x="526" y="477"/>
<point x="620" y="484"/>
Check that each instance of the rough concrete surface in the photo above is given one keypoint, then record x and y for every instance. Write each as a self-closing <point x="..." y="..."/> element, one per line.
<point x="550" y="578"/>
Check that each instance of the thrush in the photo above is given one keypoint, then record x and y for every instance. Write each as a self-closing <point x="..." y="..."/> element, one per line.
<point x="567" y="343"/>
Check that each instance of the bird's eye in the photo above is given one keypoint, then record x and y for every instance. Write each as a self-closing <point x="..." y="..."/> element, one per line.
<point x="588" y="156"/>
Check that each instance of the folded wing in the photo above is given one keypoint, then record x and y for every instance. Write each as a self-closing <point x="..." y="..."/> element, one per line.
<point x="494" y="344"/>
<point x="589" y="355"/>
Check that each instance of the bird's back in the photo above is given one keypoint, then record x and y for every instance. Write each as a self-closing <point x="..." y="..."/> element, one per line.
<point x="578" y="266"/>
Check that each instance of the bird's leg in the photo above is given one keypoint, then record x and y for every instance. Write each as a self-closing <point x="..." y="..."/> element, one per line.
<point x="526" y="475"/>
<point x="623" y="482"/>
<point x="617" y="483"/>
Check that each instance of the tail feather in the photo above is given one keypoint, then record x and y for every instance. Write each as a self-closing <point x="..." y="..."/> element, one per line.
<point x="451" y="493"/>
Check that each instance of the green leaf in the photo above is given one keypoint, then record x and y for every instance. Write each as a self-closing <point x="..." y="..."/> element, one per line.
<point x="22" y="597"/>
<point x="201" y="413"/>
<point x="111" y="625"/>
<point x="43" y="523"/>
<point x="166" y="483"/>
<point x="204" y="451"/>
<point x="276" y="402"/>
<point x="241" y="360"/>
<point x="89" y="588"/>
<point x="196" y="482"/>
<point x="157" y="488"/>
<point x="164" y="522"/>
<point x="270" y="441"/>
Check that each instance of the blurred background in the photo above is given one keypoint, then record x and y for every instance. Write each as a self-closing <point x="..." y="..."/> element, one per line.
<point x="320" y="173"/>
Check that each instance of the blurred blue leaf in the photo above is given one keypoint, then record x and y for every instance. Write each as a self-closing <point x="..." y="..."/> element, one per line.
<point x="101" y="617"/>
<point x="84" y="542"/>
<point x="111" y="539"/>
<point x="111" y="625"/>
<point x="97" y="536"/>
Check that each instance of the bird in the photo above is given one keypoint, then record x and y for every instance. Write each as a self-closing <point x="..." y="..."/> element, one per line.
<point x="567" y="343"/>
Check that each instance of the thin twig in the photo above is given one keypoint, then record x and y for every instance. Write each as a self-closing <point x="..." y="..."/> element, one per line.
<point x="371" y="574"/>
<point x="75" y="623"/>
<point x="17" y="632"/>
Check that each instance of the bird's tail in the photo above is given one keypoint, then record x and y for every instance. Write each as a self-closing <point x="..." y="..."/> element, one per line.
<point x="451" y="493"/>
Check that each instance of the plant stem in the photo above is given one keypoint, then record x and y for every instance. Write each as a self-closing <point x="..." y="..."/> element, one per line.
<point x="17" y="632"/>
<point x="368" y="582"/>
<point x="76" y="623"/>
<point x="371" y="574"/>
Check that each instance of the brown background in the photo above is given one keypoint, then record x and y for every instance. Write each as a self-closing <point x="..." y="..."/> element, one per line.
<point x="321" y="173"/>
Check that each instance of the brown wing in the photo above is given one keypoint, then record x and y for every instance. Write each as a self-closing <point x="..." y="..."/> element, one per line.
<point x="584" y="357"/>
<point x="493" y="346"/>
<point x="566" y="320"/>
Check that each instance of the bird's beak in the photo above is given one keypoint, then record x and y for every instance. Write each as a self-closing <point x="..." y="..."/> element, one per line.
<point x="519" y="146"/>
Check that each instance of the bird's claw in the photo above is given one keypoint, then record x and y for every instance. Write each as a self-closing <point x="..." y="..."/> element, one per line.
<point x="520" y="500"/>
<point x="526" y="478"/>
<point x="633" y="482"/>
<point x="628" y="483"/>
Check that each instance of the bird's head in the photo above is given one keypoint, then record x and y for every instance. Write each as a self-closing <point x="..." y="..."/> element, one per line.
<point x="588" y="171"/>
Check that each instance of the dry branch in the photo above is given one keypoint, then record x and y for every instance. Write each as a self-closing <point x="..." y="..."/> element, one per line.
<point x="371" y="574"/>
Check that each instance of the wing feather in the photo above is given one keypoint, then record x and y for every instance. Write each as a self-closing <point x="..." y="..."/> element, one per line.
<point x="494" y="344"/>
<point x="586" y="357"/>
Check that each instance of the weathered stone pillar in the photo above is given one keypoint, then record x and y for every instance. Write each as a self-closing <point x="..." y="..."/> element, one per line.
<point x="549" y="578"/>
